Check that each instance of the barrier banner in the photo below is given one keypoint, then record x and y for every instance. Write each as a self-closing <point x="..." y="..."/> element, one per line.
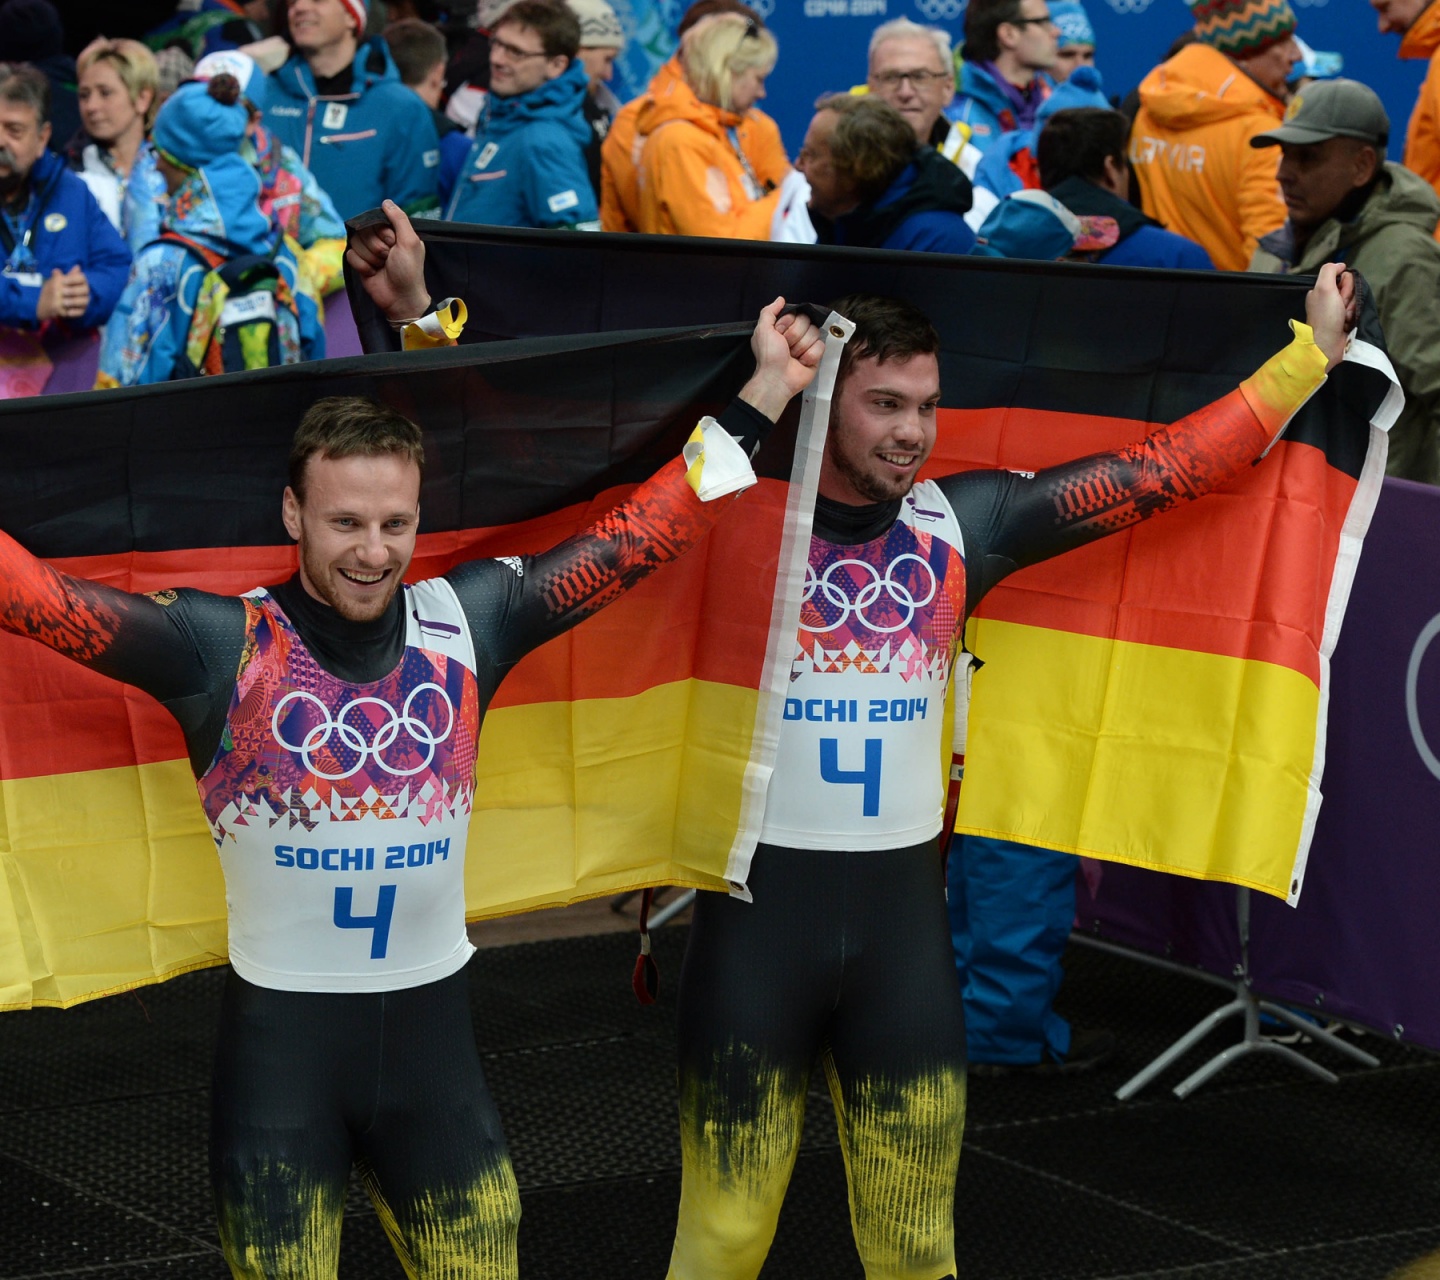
<point x="631" y="750"/>
<point x="1158" y="697"/>
<point x="1361" y="945"/>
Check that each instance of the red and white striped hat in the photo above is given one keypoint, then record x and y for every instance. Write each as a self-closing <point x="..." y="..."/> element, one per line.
<point x="360" y="11"/>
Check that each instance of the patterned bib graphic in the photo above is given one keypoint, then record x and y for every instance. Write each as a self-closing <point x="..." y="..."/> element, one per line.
<point x="891" y="605"/>
<point x="302" y="746"/>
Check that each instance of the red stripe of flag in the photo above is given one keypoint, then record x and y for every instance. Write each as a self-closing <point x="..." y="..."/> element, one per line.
<point x="1187" y="581"/>
<point x="57" y="717"/>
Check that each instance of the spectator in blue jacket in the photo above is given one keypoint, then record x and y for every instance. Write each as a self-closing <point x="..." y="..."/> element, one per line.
<point x="526" y="167"/>
<point x="1010" y="163"/>
<point x="1009" y="46"/>
<point x="1081" y="152"/>
<point x="339" y="103"/>
<point x="65" y="265"/>
<point x="1075" y="42"/>
<point x="873" y="185"/>
<point x="172" y="320"/>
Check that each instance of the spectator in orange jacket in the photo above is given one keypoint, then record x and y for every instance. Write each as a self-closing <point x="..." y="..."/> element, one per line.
<point x="1190" y="146"/>
<point x="1417" y="23"/>
<point x="695" y="176"/>
<point x="619" y="183"/>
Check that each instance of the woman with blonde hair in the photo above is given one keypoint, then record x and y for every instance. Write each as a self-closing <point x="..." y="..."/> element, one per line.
<point x="696" y="175"/>
<point x="119" y="95"/>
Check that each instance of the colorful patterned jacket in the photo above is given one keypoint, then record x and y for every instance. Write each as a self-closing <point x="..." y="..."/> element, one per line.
<point x="218" y="209"/>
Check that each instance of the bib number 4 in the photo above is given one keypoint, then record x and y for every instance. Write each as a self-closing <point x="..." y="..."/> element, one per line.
<point x="867" y="777"/>
<point x="379" y="923"/>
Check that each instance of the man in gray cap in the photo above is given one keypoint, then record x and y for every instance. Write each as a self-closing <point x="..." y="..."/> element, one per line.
<point x="1348" y="204"/>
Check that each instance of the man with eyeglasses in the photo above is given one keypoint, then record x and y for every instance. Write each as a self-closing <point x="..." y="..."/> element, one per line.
<point x="1009" y="47"/>
<point x="912" y="69"/>
<point x="526" y="167"/>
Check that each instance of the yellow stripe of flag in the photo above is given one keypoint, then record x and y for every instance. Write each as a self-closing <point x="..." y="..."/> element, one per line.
<point x="1129" y="750"/>
<point x="556" y="820"/>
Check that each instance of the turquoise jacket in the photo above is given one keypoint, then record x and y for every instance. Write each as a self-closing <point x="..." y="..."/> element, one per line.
<point x="526" y="167"/>
<point x="374" y="143"/>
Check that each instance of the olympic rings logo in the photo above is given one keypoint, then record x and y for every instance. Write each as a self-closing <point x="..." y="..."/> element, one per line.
<point x="939" y="10"/>
<point x="898" y="593"/>
<point x="1412" y="695"/>
<point x="1129" y="6"/>
<point x="351" y="736"/>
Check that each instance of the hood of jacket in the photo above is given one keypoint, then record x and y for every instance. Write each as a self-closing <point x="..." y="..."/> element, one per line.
<point x="219" y="206"/>
<point x="927" y="184"/>
<point x="1400" y="198"/>
<point x="1200" y="86"/>
<point x="560" y="101"/>
<point x="373" y="65"/>
<point x="1084" y="199"/>
<point x="676" y="100"/>
<point x="1423" y="38"/>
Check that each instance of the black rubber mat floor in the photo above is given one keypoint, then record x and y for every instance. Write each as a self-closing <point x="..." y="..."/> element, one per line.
<point x="1261" y="1174"/>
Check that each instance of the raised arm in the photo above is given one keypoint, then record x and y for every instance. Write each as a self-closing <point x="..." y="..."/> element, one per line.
<point x="147" y="642"/>
<point x="389" y="258"/>
<point x="1013" y="520"/>
<point x="518" y="603"/>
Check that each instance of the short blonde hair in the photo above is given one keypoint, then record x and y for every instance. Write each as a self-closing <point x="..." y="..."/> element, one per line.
<point x="719" y="48"/>
<point x="133" y="63"/>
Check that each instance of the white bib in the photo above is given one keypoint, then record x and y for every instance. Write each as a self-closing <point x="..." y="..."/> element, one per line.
<point x="341" y="810"/>
<point x="859" y="759"/>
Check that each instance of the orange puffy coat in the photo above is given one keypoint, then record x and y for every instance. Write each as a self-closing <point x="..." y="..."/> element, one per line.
<point x="619" y="157"/>
<point x="1190" y="146"/>
<point x="1422" y="138"/>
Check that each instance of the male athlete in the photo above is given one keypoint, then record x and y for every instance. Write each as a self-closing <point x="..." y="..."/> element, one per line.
<point x="845" y="951"/>
<point x="345" y="1031"/>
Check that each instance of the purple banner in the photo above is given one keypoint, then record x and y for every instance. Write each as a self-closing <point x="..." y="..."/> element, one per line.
<point x="76" y="360"/>
<point x="1363" y="944"/>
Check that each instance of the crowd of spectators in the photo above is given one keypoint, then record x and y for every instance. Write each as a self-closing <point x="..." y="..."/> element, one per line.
<point x="1007" y="144"/>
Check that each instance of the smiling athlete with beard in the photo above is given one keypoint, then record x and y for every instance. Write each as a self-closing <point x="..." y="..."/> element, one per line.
<point x="332" y="725"/>
<point x="844" y="953"/>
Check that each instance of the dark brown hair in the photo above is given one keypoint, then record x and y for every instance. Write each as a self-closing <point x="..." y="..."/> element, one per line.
<point x="885" y="329"/>
<point x="982" y="25"/>
<point x="557" y="27"/>
<point x="416" y="48"/>
<point x="704" y="8"/>
<point x="1075" y="142"/>
<point x="351" y="427"/>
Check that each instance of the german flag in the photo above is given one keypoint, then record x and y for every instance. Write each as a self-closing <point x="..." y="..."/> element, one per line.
<point x="633" y="750"/>
<point x="1157" y="698"/>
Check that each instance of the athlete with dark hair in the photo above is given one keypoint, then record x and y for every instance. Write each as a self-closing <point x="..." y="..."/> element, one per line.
<point x="332" y="724"/>
<point x="844" y="952"/>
